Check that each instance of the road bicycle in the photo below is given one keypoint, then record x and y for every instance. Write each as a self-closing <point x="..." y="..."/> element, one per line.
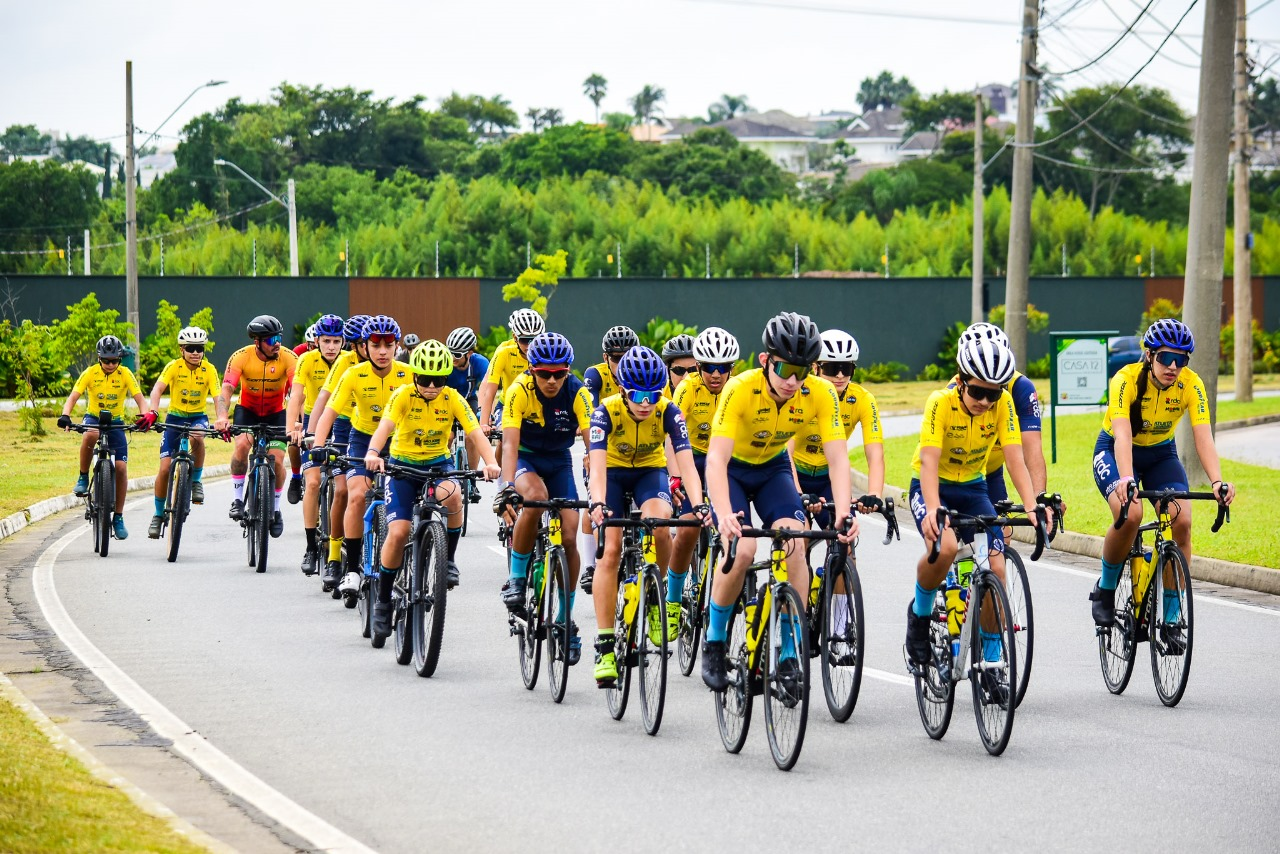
<point x="768" y="652"/>
<point x="328" y="470"/>
<point x="100" y="502"/>
<point x="461" y="462"/>
<point x="640" y="647"/>
<point x="1154" y="607"/>
<point x="259" y="491"/>
<point x="696" y="598"/>
<point x="1017" y="585"/>
<point x="177" y="503"/>
<point x="989" y="662"/>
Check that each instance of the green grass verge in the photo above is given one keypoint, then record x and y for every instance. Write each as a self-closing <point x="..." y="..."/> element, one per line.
<point x="50" y="802"/>
<point x="1251" y="537"/>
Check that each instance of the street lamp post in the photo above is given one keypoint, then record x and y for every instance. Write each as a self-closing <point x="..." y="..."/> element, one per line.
<point x="289" y="205"/>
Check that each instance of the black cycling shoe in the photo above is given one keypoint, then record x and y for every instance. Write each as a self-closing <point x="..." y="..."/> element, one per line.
<point x="713" y="665"/>
<point x="789" y="685"/>
<point x="277" y="524"/>
<point x="585" y="582"/>
<point x="994" y="688"/>
<point x="451" y="574"/>
<point x="513" y="593"/>
<point x="381" y="628"/>
<point x="237" y="510"/>
<point x="1104" y="606"/>
<point x="295" y="490"/>
<point x="575" y="645"/>
<point x="332" y="574"/>
<point x="918" y="646"/>
<point x="1173" y="638"/>
<point x="309" y="562"/>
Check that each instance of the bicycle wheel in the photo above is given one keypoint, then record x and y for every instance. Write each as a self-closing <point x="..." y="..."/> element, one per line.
<point x="841" y="638"/>
<point x="733" y="705"/>
<point x="1116" y="644"/>
<point x="178" y="503"/>
<point x="1170" y="625"/>
<point x="557" y="598"/>
<point x="431" y="583"/>
<point x="993" y="675"/>
<point x="692" y="602"/>
<point x="378" y="533"/>
<point x="786" y="684"/>
<point x="103" y="492"/>
<point x="935" y="690"/>
<point x="1018" y="587"/>
<point x="623" y="649"/>
<point x="249" y="524"/>
<point x="468" y="486"/>
<point x="531" y="629"/>
<point x="264" y="486"/>
<point x="402" y="610"/>
<point x="651" y="656"/>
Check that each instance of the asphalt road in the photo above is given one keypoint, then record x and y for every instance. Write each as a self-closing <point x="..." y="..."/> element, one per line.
<point x="275" y="674"/>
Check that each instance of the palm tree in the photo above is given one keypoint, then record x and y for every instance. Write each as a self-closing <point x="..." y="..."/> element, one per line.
<point x="727" y="107"/>
<point x="534" y="115"/>
<point x="645" y="104"/>
<point x="552" y="117"/>
<point x="595" y="87"/>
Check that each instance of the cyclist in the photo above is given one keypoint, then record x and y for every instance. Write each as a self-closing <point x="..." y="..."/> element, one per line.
<point x="629" y="432"/>
<point x="545" y="411"/>
<point x="308" y="343"/>
<point x="263" y="370"/>
<point x="469" y="367"/>
<point x="677" y="353"/>
<point x="961" y="425"/>
<point x="1145" y="401"/>
<point x="747" y="463"/>
<point x="509" y="361"/>
<point x="105" y="386"/>
<point x="419" y="421"/>
<point x="716" y="351"/>
<point x="406" y="347"/>
<point x="313" y="369"/>
<point x="600" y="381"/>
<point x="836" y="363"/>
<point x="190" y="380"/>
<point x="353" y="333"/>
<point x="362" y="396"/>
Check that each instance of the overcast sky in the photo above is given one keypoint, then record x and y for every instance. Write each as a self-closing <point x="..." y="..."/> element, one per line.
<point x="64" y="60"/>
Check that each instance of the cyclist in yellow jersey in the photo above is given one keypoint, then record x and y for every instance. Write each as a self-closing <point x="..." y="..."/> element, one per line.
<point x="190" y="380"/>
<point x="314" y="368"/>
<point x="677" y="353"/>
<point x="1146" y="400"/>
<point x="509" y="361"/>
<point x="628" y="436"/>
<point x="105" y="387"/>
<point x="747" y="463"/>
<point x="362" y="395"/>
<point x="419" y="421"/>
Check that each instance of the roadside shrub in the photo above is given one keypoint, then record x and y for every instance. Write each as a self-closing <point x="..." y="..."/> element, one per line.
<point x="881" y="372"/>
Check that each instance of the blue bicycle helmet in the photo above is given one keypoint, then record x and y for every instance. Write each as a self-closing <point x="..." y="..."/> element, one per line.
<point x="641" y="369"/>
<point x="354" y="328"/>
<point x="381" y="324"/>
<point x="329" y="324"/>
<point x="1173" y="334"/>
<point x="550" y="348"/>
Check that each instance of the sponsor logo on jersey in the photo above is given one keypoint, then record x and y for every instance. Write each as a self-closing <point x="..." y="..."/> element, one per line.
<point x="762" y="434"/>
<point x="597" y="434"/>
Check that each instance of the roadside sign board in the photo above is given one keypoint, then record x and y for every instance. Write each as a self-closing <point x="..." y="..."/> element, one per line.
<point x="1077" y="373"/>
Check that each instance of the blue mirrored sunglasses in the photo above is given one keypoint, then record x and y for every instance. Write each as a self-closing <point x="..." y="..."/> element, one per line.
<point x="273" y="340"/>
<point x="1173" y="359"/>
<point x="644" y="397"/>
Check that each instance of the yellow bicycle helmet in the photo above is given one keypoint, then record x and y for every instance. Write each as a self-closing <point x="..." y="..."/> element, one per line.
<point x="432" y="359"/>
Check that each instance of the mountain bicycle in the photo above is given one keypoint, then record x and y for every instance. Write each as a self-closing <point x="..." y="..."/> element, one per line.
<point x="100" y="502"/>
<point x="990" y="662"/>
<point x="177" y="503"/>
<point x="259" y="490"/>
<point x="696" y="598"/>
<point x="1154" y="607"/>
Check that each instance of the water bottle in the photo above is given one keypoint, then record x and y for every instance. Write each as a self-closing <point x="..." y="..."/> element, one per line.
<point x="964" y="565"/>
<point x="629" y="599"/>
<point x="815" y="587"/>
<point x="539" y="570"/>
<point x="955" y="605"/>
<point x="749" y="613"/>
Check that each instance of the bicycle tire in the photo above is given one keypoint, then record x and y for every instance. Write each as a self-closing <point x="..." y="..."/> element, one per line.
<point x="557" y="583"/>
<point x="935" y="689"/>
<point x="248" y="531"/>
<point x="1018" y="587"/>
<point x="402" y="607"/>
<point x="993" y="713"/>
<point x="264" y="486"/>
<point x="692" y="603"/>
<point x="179" y="496"/>
<point x="733" y="705"/>
<point x="1117" y="645"/>
<point x="531" y="631"/>
<point x="841" y="681"/>
<point x="369" y="587"/>
<point x="651" y="657"/>
<point x="325" y="505"/>
<point x="461" y="464"/>
<point x="618" y="694"/>
<point x="429" y="627"/>
<point x="1170" y="668"/>
<point x="786" y="695"/>
<point x="101" y="517"/>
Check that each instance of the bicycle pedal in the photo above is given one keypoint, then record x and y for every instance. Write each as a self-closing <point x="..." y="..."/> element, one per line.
<point x="606" y="684"/>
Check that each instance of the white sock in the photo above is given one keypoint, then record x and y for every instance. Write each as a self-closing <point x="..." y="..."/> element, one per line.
<point x="237" y="487"/>
<point x="277" y="507"/>
<point x="587" y="545"/>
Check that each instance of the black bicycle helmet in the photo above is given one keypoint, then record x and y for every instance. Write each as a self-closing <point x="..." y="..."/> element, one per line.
<point x="679" y="347"/>
<point x="792" y="338"/>
<point x="110" y="347"/>
<point x="619" y="339"/>
<point x="264" y="326"/>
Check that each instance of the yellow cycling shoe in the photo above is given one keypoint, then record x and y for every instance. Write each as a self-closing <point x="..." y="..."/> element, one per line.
<point x="673" y="621"/>
<point x="606" y="672"/>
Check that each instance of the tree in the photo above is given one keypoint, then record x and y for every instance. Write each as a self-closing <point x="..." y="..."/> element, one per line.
<point x="537" y="284"/>
<point x="728" y="107"/>
<point x="945" y="111"/>
<point x="644" y="104"/>
<point x="84" y="148"/>
<point x="595" y="87"/>
<point x="485" y="116"/>
<point x="619" y="121"/>
<point x="884" y="91"/>
<point x="22" y="140"/>
<point x="1264" y="108"/>
<point x="534" y="115"/>
<point x="45" y="201"/>
<point x="552" y="117"/>
<point x="711" y="163"/>
<point x="566" y="150"/>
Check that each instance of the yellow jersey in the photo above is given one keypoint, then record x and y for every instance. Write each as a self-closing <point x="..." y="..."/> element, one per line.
<point x="362" y="395"/>
<point x="102" y="391"/>
<point x="698" y="406"/>
<point x="263" y="384"/>
<point x="965" y="440"/>
<point x="1161" y="409"/>
<point x="636" y="444"/>
<point x="345" y="360"/>
<point x="189" y="388"/>
<point x="857" y="406"/>
<point x="507" y="364"/>
<point x="600" y="382"/>
<point x="313" y="370"/>
<point x="547" y="424"/>
<point x="761" y="428"/>
<point x="423" y="427"/>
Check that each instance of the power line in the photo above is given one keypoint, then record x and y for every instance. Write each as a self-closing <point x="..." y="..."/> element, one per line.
<point x="1087" y="168"/>
<point x="1147" y="44"/>
<point x="870" y="13"/>
<point x="1113" y="45"/>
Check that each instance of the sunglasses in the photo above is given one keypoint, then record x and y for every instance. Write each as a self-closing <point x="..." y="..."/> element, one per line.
<point x="787" y="371"/>
<point x="715" y="368"/>
<point x="677" y="371"/>
<point x="1171" y="359"/>
<point x="550" y="374"/>
<point x="614" y="357"/>
<point x="644" y="398"/>
<point x="382" y="339"/>
<point x="834" y="369"/>
<point x="981" y="393"/>
<point x="525" y="339"/>
<point x="108" y="361"/>
<point x="430" y="381"/>
<point x="272" y="341"/>
<point x="194" y="348"/>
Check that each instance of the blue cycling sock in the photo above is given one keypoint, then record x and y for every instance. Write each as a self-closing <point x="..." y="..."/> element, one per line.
<point x="787" y="626"/>
<point x="160" y="508"/>
<point x="520" y="564"/>
<point x="572" y="596"/>
<point x="923" y="606"/>
<point x="990" y="646"/>
<point x="196" y="474"/>
<point x="718" y="625"/>
<point x="1110" y="575"/>
<point x="1172" y="606"/>
<point x="675" y="585"/>
<point x="564" y="601"/>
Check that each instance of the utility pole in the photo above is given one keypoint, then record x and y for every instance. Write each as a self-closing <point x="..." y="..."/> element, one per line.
<point x="1242" y="267"/>
<point x="130" y="214"/>
<point x="1202" y="291"/>
<point x="293" y="229"/>
<point x="86" y="251"/>
<point x="1016" y="288"/>
<point x="975" y="297"/>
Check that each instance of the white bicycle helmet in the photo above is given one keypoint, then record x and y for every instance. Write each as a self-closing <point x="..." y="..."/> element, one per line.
<point x="461" y="341"/>
<point x="986" y="360"/>
<point x="715" y="346"/>
<point x="838" y="346"/>
<point x="192" y="335"/>
<point x="310" y="337"/>
<point x="984" y="331"/>
<point x="526" y="323"/>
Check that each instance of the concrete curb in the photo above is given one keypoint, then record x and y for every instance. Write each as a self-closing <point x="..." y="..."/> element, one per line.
<point x="14" y="523"/>
<point x="1248" y="422"/>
